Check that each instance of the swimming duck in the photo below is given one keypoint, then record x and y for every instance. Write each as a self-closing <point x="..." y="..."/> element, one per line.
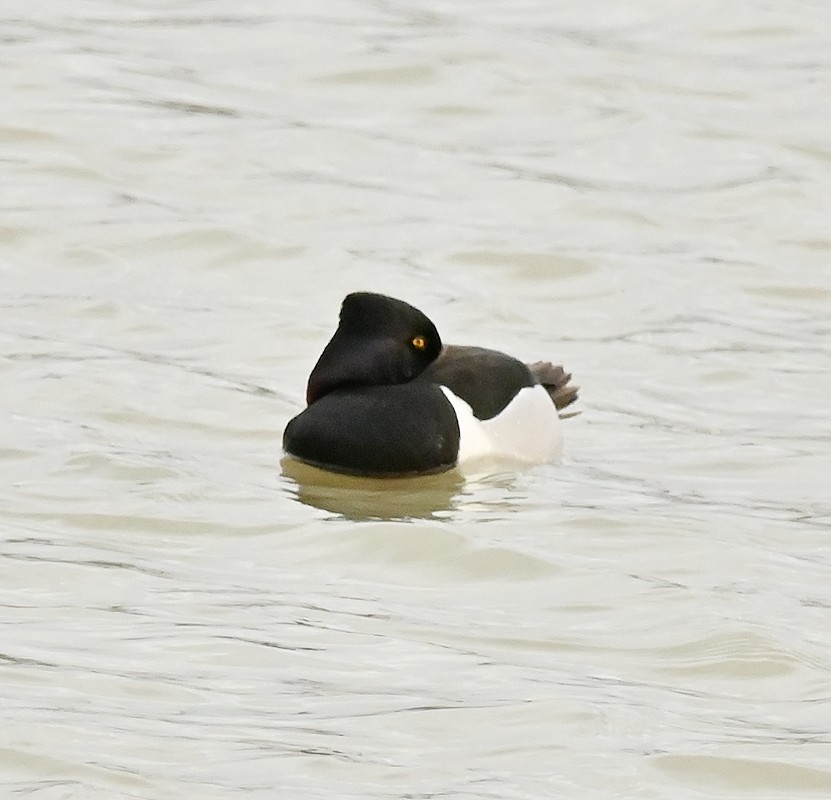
<point x="387" y="398"/>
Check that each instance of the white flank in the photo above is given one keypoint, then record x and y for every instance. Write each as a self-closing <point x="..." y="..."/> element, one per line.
<point x="528" y="429"/>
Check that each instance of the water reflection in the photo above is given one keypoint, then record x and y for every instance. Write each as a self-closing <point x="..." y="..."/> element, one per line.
<point x="357" y="498"/>
<point x="482" y="491"/>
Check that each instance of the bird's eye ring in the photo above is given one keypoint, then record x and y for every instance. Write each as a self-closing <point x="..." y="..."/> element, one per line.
<point x="419" y="342"/>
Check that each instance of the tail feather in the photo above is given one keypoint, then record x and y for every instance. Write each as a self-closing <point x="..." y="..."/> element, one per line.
<point x="556" y="382"/>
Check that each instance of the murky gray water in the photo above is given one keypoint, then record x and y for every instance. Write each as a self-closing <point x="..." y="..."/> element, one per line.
<point x="642" y="190"/>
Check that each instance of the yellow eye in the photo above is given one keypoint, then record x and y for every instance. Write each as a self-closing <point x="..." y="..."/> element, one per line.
<point x="419" y="342"/>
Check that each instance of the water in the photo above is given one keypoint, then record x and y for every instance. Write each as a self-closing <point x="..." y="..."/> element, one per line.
<point x="641" y="191"/>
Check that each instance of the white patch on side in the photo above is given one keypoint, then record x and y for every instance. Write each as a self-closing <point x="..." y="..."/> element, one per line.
<point x="528" y="429"/>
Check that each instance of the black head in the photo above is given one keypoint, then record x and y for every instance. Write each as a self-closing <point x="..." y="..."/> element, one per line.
<point x="379" y="341"/>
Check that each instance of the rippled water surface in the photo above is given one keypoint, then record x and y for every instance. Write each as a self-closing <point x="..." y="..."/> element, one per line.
<point x="641" y="190"/>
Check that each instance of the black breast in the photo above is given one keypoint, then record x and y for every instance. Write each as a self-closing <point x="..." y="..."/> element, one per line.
<point x="405" y="429"/>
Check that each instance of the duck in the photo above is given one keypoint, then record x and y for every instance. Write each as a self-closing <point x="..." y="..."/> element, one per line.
<point x="387" y="398"/>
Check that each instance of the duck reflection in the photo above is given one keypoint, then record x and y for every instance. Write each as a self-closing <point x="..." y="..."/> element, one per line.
<point x="486" y="491"/>
<point x="362" y="498"/>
